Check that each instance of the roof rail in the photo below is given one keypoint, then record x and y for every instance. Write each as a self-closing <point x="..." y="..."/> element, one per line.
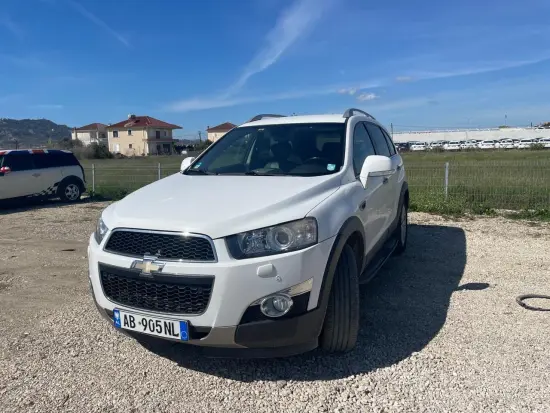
<point x="350" y="112"/>
<point x="265" y="115"/>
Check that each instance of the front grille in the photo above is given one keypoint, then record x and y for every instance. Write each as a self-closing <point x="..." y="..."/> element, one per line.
<point x="163" y="246"/>
<point x="181" y="295"/>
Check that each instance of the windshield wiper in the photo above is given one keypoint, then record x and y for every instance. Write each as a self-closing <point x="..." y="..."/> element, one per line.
<point x="199" y="172"/>
<point x="254" y="173"/>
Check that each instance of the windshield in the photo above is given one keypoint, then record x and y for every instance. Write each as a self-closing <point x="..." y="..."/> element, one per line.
<point x="289" y="149"/>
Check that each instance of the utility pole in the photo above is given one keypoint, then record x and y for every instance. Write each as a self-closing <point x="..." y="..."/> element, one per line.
<point x="391" y="126"/>
<point x="200" y="137"/>
<point x="505" y="120"/>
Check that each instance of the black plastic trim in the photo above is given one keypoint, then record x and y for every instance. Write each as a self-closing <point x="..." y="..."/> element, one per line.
<point x="290" y="332"/>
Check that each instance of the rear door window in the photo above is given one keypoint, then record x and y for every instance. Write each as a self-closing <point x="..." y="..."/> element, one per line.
<point x="43" y="161"/>
<point x="378" y="139"/>
<point x="389" y="141"/>
<point x="19" y="162"/>
<point x="362" y="147"/>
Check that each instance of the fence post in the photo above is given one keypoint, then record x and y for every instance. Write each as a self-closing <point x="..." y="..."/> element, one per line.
<point x="159" y="171"/>
<point x="93" y="179"/>
<point x="446" y="180"/>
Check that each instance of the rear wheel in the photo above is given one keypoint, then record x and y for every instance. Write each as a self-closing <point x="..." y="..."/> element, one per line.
<point x="69" y="191"/>
<point x="341" y="324"/>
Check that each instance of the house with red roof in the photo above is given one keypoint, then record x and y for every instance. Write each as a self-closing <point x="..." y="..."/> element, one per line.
<point x="92" y="133"/>
<point x="216" y="132"/>
<point x="141" y="136"/>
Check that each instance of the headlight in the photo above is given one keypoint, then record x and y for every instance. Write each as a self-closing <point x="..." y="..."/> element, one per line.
<point x="290" y="236"/>
<point x="100" y="231"/>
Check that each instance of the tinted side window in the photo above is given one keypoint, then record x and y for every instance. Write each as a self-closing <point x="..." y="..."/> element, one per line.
<point x="19" y="161"/>
<point x="362" y="147"/>
<point x="54" y="159"/>
<point x="42" y="160"/>
<point x="378" y="139"/>
<point x="389" y="141"/>
<point x="67" y="159"/>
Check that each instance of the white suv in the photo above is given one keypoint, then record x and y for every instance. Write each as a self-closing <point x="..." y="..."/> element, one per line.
<point x="258" y="246"/>
<point x="40" y="174"/>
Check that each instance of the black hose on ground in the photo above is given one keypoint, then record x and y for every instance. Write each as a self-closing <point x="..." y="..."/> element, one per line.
<point x="520" y="300"/>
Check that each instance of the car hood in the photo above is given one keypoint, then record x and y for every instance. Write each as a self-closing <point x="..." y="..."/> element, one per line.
<point x="219" y="205"/>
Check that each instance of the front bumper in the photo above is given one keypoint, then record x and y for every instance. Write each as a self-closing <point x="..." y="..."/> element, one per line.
<point x="237" y="284"/>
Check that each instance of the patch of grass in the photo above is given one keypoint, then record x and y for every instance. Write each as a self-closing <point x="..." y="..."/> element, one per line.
<point x="111" y="193"/>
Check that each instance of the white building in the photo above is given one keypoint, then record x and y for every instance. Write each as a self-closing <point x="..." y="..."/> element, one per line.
<point x="467" y="134"/>
<point x="92" y="133"/>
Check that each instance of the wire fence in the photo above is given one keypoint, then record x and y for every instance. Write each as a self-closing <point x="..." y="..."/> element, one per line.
<point x="434" y="186"/>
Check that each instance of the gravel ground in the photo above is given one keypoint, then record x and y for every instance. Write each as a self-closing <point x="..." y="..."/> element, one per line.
<point x="440" y="332"/>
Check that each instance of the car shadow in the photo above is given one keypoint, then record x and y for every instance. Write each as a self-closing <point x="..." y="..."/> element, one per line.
<point x="403" y="309"/>
<point x="14" y="206"/>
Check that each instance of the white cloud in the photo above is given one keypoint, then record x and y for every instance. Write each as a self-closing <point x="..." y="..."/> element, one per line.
<point x="25" y="61"/>
<point x="367" y="96"/>
<point x="216" y="102"/>
<point x="291" y="25"/>
<point x="348" y="91"/>
<point x="47" y="106"/>
<point x="97" y="21"/>
<point x="11" y="26"/>
<point x="479" y="68"/>
<point x="200" y="103"/>
<point x="403" y="79"/>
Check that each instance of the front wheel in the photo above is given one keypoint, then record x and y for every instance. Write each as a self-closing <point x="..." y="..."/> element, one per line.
<point x="69" y="191"/>
<point x="341" y="324"/>
<point x="402" y="231"/>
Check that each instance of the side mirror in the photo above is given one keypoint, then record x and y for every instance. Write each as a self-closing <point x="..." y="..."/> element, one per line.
<point x="186" y="162"/>
<point x="375" y="165"/>
<point x="5" y="170"/>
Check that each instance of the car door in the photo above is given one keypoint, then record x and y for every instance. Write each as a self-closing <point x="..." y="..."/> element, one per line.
<point x="398" y="177"/>
<point x="22" y="179"/>
<point x="388" y="183"/>
<point x="48" y="165"/>
<point x="369" y="199"/>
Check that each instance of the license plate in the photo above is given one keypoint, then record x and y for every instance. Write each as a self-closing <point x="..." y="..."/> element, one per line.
<point x="151" y="325"/>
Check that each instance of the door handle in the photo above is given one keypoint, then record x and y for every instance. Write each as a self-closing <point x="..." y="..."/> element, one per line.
<point x="385" y="180"/>
<point x="398" y="167"/>
<point x="363" y="205"/>
<point x="36" y="175"/>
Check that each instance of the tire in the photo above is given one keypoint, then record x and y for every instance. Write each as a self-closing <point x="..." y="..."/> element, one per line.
<point x="341" y="324"/>
<point x="70" y="191"/>
<point x="402" y="230"/>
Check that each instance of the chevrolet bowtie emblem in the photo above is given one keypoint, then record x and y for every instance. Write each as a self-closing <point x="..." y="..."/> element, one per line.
<point x="148" y="265"/>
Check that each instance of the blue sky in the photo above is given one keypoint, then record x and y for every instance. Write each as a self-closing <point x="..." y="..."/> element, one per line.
<point x="419" y="65"/>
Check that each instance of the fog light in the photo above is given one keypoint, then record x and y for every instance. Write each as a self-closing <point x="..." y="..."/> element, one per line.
<point x="276" y="305"/>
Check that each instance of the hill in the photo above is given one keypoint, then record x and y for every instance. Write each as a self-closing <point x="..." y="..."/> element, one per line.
<point x="30" y="132"/>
